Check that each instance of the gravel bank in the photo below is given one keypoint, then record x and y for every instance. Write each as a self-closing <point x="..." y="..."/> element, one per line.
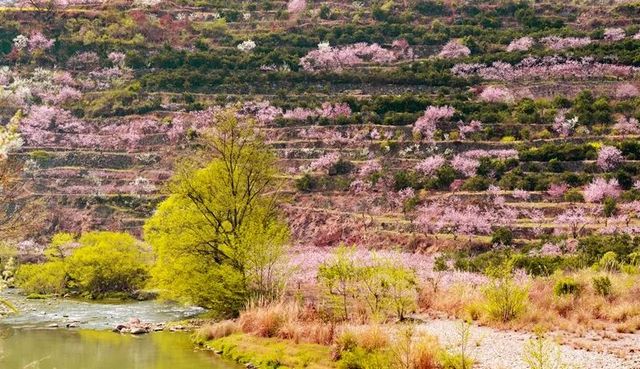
<point x="495" y="349"/>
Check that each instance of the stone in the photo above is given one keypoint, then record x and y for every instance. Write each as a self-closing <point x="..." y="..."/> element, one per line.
<point x="139" y="330"/>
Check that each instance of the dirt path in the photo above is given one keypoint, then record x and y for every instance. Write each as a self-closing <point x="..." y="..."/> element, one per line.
<point x="496" y="349"/>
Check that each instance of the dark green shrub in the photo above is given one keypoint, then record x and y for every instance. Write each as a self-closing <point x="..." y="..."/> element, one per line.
<point x="609" y="207"/>
<point x="602" y="285"/>
<point x="502" y="235"/>
<point x="573" y="195"/>
<point x="306" y="183"/>
<point x="566" y="286"/>
<point x="341" y="167"/>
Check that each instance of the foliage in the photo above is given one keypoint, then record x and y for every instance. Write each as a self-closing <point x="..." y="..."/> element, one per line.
<point x="541" y="353"/>
<point x="384" y="286"/>
<point x="218" y="237"/>
<point x="602" y="285"/>
<point x="48" y="278"/>
<point x="505" y="300"/>
<point x="107" y="262"/>
<point x="566" y="286"/>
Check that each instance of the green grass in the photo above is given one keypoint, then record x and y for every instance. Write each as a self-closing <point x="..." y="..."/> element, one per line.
<point x="274" y="353"/>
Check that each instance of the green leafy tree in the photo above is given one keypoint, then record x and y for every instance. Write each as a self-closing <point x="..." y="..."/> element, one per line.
<point x="219" y="238"/>
<point x="339" y="278"/>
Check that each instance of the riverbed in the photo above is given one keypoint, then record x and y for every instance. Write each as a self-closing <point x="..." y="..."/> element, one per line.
<point x="37" y="337"/>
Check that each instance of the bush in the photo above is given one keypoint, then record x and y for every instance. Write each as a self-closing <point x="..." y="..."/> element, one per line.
<point x="602" y="285"/>
<point x="502" y="235"/>
<point x="504" y="299"/>
<point x="573" y="195"/>
<point x="566" y="286"/>
<point x="609" y="207"/>
<point x="107" y="262"/>
<point x="454" y="361"/>
<point x="306" y="183"/>
<point x="45" y="279"/>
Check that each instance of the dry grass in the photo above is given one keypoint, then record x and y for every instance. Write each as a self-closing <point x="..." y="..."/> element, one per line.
<point x="425" y="353"/>
<point x="571" y="312"/>
<point x="217" y="330"/>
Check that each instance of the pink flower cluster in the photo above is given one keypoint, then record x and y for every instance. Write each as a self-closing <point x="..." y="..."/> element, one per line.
<point x="626" y="90"/>
<point x="47" y="126"/>
<point x="465" y="165"/>
<point x="627" y="126"/>
<point x="609" y="157"/>
<point x="370" y="167"/>
<point x="600" y="189"/>
<point x="296" y="6"/>
<point x="430" y="165"/>
<point x="557" y="190"/>
<point x="520" y="44"/>
<point x="614" y="34"/>
<point x="562" y="125"/>
<point x="454" y="49"/>
<point x="548" y="67"/>
<point x="426" y="124"/>
<point x="328" y="110"/>
<point x="496" y="94"/>
<point x="458" y="220"/>
<point x="467" y="128"/>
<point x="561" y="43"/>
<point x="325" y="162"/>
<point x="501" y="154"/>
<point x="38" y="41"/>
<point x="335" y="59"/>
<point x="573" y="220"/>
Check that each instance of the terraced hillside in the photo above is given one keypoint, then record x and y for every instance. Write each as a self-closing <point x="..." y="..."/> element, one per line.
<point x="348" y="93"/>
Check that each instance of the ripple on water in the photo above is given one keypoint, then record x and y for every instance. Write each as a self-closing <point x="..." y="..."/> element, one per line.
<point x="89" y="315"/>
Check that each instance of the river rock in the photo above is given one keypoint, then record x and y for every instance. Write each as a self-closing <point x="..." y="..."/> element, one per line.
<point x="134" y="326"/>
<point x="139" y="330"/>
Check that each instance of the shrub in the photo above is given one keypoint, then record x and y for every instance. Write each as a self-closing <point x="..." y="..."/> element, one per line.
<point x="502" y="235"/>
<point x="454" y="361"/>
<point x="45" y="279"/>
<point x="306" y="183"/>
<point x="602" y="285"/>
<point x="541" y="353"/>
<point x="504" y="299"/>
<point x="609" y="262"/>
<point x="566" y="286"/>
<point x="108" y="262"/>
<point x="609" y="208"/>
<point x="573" y="195"/>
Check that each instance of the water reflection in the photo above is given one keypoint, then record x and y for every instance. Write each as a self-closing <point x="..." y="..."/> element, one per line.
<point x="86" y="349"/>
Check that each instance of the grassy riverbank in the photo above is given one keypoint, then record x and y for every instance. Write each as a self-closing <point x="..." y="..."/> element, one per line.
<point x="272" y="352"/>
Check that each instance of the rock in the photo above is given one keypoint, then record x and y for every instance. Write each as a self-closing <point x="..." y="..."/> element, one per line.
<point x="176" y="328"/>
<point x="73" y="325"/>
<point x="53" y="325"/>
<point x="139" y="330"/>
<point x="119" y="328"/>
<point x="250" y="366"/>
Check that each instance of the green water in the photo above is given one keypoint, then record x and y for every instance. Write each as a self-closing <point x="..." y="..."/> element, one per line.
<point x="89" y="349"/>
<point x="28" y="342"/>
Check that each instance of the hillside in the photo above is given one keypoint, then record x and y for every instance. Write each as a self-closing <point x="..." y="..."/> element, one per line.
<point x="106" y="142"/>
<point x="467" y="141"/>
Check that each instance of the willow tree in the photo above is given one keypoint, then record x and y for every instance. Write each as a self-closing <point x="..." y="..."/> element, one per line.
<point x="218" y="237"/>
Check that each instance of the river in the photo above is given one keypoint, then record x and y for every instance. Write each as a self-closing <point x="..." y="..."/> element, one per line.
<point x="29" y="340"/>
